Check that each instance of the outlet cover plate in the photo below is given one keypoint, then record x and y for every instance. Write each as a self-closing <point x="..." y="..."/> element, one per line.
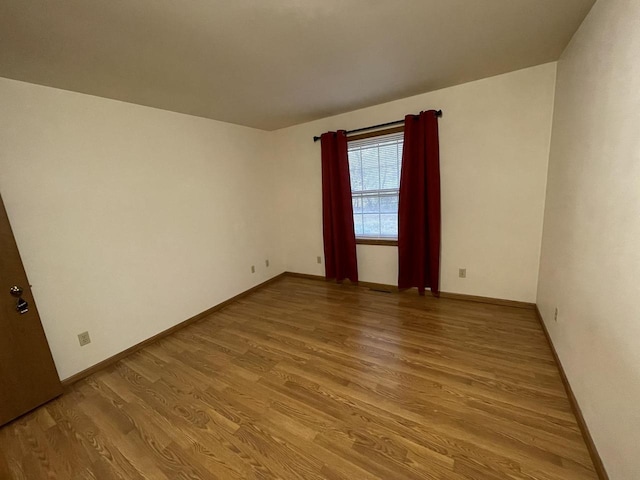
<point x="84" y="339"/>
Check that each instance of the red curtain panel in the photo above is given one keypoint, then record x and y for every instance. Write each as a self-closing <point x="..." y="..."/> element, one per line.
<point x="419" y="205"/>
<point x="337" y="209"/>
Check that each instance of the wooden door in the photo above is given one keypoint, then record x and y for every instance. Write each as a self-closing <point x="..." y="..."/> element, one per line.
<point x="28" y="377"/>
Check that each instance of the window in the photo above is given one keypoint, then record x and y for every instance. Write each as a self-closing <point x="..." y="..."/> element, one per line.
<point x="374" y="166"/>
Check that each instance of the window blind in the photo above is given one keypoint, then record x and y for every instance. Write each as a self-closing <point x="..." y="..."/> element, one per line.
<point x="374" y="166"/>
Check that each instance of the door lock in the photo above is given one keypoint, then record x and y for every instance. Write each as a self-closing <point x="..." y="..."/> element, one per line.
<point x="16" y="291"/>
<point x="22" y="306"/>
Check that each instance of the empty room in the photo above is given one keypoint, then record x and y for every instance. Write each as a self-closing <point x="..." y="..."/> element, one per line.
<point x="303" y="239"/>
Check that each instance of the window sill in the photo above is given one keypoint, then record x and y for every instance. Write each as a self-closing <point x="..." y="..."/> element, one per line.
<point x="377" y="241"/>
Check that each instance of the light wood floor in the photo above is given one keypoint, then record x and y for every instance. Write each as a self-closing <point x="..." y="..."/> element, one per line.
<point x="310" y="380"/>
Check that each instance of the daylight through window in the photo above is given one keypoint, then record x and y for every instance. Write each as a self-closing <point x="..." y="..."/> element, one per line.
<point x="374" y="166"/>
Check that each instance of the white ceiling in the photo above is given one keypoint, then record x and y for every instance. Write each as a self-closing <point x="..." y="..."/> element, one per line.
<point x="274" y="63"/>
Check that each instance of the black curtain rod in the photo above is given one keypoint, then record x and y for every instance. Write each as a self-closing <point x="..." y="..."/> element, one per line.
<point x="373" y="127"/>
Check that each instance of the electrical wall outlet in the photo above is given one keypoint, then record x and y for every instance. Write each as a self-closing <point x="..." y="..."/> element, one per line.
<point x="462" y="272"/>
<point x="253" y="269"/>
<point x="555" y="315"/>
<point x="319" y="259"/>
<point x="266" y="262"/>
<point x="84" y="338"/>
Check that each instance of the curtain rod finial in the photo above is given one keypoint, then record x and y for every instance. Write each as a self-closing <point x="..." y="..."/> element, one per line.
<point x="315" y="139"/>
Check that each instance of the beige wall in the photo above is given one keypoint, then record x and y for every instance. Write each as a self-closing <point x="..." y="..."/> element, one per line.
<point x="494" y="139"/>
<point x="130" y="219"/>
<point x="591" y="253"/>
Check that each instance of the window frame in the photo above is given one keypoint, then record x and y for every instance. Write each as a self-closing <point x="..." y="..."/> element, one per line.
<point x="377" y="133"/>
